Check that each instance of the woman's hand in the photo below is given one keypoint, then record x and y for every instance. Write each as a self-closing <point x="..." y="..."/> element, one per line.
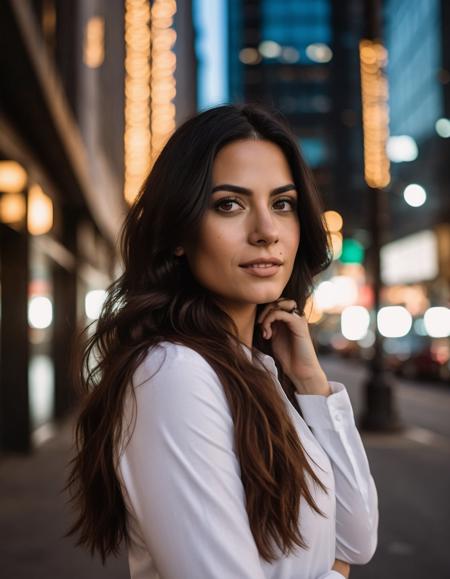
<point x="341" y="567"/>
<point x="293" y="347"/>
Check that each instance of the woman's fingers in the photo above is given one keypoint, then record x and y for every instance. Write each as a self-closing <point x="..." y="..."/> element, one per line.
<point x="274" y="315"/>
<point x="281" y="304"/>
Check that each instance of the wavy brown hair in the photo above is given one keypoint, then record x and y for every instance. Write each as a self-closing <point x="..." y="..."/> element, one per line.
<point x="157" y="298"/>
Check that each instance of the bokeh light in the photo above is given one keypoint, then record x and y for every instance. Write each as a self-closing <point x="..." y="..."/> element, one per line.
<point x="93" y="303"/>
<point x="402" y="148"/>
<point x="40" y="312"/>
<point x="355" y="322"/>
<point x="442" y="127"/>
<point x="394" y="321"/>
<point x="437" y="322"/>
<point x="415" y="195"/>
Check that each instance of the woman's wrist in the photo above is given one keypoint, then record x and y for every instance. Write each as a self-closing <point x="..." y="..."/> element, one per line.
<point x="316" y="383"/>
<point x="341" y="567"/>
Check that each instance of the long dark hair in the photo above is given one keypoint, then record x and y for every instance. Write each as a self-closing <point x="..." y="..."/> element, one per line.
<point x="157" y="298"/>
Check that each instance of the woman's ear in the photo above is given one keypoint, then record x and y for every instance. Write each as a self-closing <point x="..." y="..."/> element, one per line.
<point x="179" y="251"/>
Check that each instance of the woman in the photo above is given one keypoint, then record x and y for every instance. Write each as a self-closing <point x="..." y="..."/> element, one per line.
<point x="210" y="439"/>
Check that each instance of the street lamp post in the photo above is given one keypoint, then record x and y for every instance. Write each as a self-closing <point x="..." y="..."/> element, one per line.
<point x="380" y="413"/>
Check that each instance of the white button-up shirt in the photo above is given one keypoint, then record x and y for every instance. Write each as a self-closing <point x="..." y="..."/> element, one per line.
<point x="180" y="477"/>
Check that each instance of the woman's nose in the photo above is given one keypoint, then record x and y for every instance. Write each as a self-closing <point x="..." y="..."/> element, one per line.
<point x="264" y="228"/>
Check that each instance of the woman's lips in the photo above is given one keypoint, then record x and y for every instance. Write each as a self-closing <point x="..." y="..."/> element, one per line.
<point x="261" y="270"/>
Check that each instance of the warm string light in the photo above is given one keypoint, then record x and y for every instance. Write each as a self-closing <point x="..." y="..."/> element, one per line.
<point x="336" y="244"/>
<point x="137" y="134"/>
<point x="40" y="211"/>
<point x="13" y="177"/>
<point x="13" y="206"/>
<point x="150" y="88"/>
<point x="375" y="111"/>
<point x="162" y="77"/>
<point x="333" y="224"/>
<point x="94" y="42"/>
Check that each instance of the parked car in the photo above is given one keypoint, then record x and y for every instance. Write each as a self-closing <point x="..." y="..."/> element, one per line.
<point x="415" y="356"/>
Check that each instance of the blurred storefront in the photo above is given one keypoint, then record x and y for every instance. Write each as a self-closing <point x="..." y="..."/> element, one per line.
<point x="71" y="159"/>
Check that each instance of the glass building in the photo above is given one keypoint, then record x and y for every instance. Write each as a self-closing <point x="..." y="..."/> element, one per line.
<point x="416" y="37"/>
<point x="301" y="58"/>
<point x="416" y="95"/>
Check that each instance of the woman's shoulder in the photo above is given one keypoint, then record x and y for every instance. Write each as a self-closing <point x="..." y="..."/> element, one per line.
<point x="173" y="362"/>
<point x="176" y="393"/>
<point x="174" y="386"/>
<point x="175" y="349"/>
<point x="169" y="353"/>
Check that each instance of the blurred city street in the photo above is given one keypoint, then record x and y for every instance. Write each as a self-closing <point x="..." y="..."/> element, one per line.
<point x="91" y="91"/>
<point x="411" y="470"/>
<point x="412" y="474"/>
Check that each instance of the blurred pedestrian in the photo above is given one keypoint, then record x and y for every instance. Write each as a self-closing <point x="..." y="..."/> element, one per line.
<point x="210" y="439"/>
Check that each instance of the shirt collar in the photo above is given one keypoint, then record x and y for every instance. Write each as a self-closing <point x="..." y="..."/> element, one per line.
<point x="266" y="360"/>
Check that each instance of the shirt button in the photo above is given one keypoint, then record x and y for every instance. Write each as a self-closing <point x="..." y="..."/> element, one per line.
<point x="337" y="417"/>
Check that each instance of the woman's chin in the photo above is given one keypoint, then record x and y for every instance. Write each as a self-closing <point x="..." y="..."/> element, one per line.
<point x="265" y="296"/>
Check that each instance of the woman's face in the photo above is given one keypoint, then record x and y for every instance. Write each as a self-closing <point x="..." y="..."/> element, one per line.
<point x="252" y="215"/>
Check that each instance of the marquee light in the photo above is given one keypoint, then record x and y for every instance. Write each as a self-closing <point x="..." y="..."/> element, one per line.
<point x="137" y="136"/>
<point x="150" y="64"/>
<point x="162" y="76"/>
<point x="375" y="112"/>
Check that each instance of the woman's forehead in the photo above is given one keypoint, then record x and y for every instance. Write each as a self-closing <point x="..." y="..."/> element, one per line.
<point x="252" y="157"/>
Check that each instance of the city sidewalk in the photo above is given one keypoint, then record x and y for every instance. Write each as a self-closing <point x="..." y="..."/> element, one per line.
<point x="34" y="518"/>
<point x="412" y="473"/>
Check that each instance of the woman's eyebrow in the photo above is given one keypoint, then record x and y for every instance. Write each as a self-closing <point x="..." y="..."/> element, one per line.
<point x="245" y="191"/>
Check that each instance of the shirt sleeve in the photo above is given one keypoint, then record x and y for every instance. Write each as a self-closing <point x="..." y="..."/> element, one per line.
<point x="182" y="475"/>
<point x="332" y="421"/>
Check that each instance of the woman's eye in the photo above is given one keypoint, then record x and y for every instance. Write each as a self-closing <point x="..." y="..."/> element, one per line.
<point x="226" y="205"/>
<point x="292" y="202"/>
<point x="225" y="202"/>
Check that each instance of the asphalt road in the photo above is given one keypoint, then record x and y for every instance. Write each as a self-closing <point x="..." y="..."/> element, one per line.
<point x="411" y="470"/>
<point x="424" y="405"/>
